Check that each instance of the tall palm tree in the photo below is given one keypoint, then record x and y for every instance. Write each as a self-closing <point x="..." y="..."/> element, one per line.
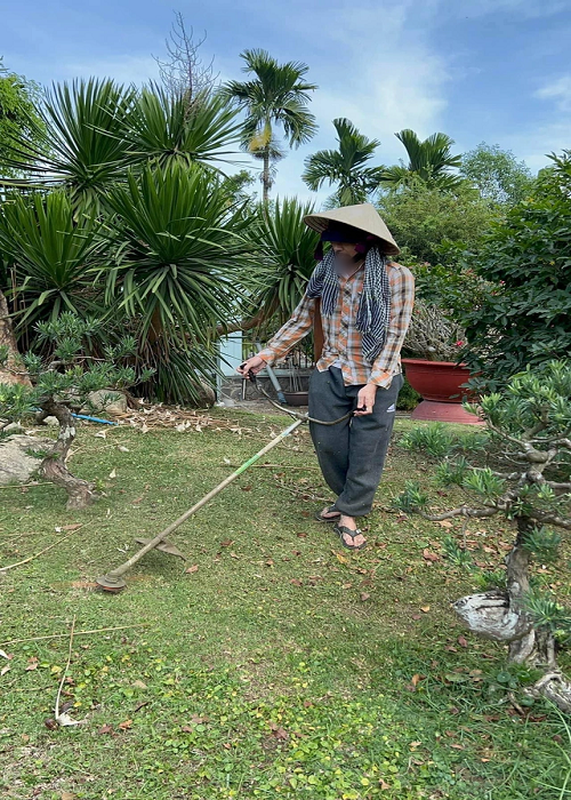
<point x="277" y="94"/>
<point x="345" y="167"/>
<point x="430" y="160"/>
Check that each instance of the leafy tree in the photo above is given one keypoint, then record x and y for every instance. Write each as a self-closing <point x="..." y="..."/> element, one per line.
<point x="427" y="221"/>
<point x="61" y="383"/>
<point x="526" y="320"/>
<point x="277" y="94"/>
<point x="528" y="482"/>
<point x="430" y="160"/>
<point x="497" y="174"/>
<point x="347" y="167"/>
<point x="18" y="116"/>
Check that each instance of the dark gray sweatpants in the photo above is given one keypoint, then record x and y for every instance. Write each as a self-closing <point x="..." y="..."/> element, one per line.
<point x="351" y="454"/>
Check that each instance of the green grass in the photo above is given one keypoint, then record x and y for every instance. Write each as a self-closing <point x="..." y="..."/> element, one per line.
<point x="282" y="666"/>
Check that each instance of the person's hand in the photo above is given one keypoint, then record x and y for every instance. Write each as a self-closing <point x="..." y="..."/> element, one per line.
<point x="252" y="365"/>
<point x="366" y="399"/>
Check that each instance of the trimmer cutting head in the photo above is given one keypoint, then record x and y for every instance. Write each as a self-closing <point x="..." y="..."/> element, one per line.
<point x="111" y="583"/>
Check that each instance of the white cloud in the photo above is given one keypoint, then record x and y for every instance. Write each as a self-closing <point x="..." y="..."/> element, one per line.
<point x="559" y="90"/>
<point x="380" y="72"/>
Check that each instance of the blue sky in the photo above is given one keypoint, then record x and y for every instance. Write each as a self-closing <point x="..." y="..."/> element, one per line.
<point x="486" y="70"/>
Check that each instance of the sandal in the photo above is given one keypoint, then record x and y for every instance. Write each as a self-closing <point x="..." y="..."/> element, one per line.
<point x="343" y="530"/>
<point x="320" y="518"/>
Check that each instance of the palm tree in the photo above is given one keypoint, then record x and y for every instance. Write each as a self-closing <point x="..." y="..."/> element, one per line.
<point x="430" y="160"/>
<point x="346" y="167"/>
<point x="278" y="94"/>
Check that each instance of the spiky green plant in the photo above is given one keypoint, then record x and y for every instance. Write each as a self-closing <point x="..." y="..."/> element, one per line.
<point x="52" y="255"/>
<point x="83" y="143"/>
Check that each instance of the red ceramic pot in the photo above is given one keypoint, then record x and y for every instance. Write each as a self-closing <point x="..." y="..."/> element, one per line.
<point x="440" y="384"/>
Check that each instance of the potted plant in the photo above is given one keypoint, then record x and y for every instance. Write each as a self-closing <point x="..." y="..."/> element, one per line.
<point x="434" y="341"/>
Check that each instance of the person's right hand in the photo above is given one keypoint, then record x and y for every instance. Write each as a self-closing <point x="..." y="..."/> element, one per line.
<point x="252" y="365"/>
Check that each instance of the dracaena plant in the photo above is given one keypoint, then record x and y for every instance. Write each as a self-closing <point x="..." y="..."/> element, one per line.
<point x="528" y="483"/>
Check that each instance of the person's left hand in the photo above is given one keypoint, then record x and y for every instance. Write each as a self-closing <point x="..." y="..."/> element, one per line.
<point x="366" y="399"/>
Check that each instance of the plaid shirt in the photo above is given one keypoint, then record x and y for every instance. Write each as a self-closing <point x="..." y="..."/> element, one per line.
<point x="342" y="342"/>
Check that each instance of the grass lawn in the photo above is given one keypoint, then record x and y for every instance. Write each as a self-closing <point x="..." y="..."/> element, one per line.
<point x="273" y="662"/>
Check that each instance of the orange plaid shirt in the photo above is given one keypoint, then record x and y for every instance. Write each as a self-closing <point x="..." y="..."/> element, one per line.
<point x="342" y="342"/>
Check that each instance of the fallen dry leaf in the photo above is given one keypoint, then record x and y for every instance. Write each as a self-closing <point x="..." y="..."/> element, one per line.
<point x="227" y="543"/>
<point x="364" y="596"/>
<point x="4" y="670"/>
<point x="113" y="474"/>
<point x="194" y="568"/>
<point x="296" y="582"/>
<point x="125" y="726"/>
<point x="462" y="641"/>
<point x="430" y="556"/>
<point x="105" y="729"/>
<point x="383" y="785"/>
<point x="67" y="796"/>
<point x="425" y="609"/>
<point x="139" y="685"/>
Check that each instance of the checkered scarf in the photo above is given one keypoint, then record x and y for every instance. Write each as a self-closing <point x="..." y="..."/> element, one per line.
<point x="374" y="306"/>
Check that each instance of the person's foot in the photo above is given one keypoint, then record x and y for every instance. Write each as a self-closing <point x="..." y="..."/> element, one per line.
<point x="328" y="514"/>
<point x="355" y="542"/>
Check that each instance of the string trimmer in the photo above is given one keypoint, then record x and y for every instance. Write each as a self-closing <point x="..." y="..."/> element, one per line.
<point x="113" y="581"/>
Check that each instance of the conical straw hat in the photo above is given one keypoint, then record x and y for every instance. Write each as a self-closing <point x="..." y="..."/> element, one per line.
<point x="363" y="216"/>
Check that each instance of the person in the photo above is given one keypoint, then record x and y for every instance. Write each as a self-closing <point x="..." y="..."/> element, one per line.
<point x="362" y="301"/>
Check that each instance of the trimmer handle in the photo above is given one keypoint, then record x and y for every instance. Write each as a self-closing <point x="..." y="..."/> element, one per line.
<point x="251" y="375"/>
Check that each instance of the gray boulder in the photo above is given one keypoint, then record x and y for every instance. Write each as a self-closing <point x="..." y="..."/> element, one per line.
<point x="17" y="464"/>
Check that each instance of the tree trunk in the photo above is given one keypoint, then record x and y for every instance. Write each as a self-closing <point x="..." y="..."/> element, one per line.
<point x="266" y="177"/>
<point x="7" y="339"/>
<point x="53" y="468"/>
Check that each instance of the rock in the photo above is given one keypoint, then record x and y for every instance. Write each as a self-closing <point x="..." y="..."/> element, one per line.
<point x="206" y="396"/>
<point x="105" y="401"/>
<point x="13" y="427"/>
<point x="17" y="465"/>
<point x="51" y="421"/>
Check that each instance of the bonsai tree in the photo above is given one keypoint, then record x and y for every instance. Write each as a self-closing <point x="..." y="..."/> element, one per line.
<point x="528" y="482"/>
<point x="432" y="334"/>
<point x="61" y="382"/>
